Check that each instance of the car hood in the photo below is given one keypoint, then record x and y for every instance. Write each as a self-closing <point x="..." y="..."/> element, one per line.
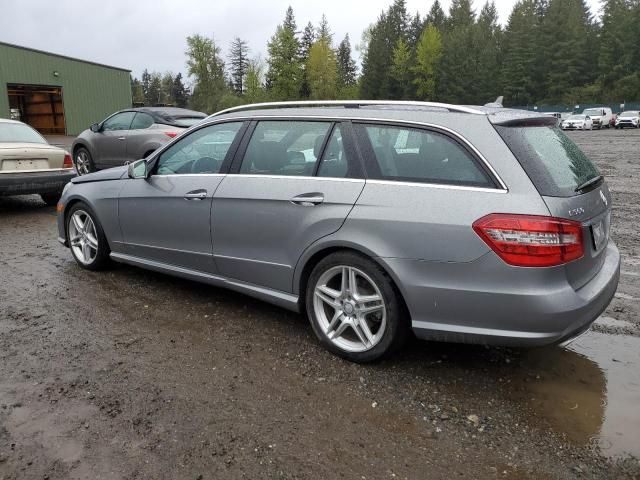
<point x="115" y="173"/>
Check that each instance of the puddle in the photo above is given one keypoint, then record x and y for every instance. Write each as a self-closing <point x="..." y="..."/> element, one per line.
<point x="589" y="391"/>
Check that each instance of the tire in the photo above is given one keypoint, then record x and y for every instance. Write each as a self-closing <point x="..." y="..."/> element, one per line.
<point x="97" y="248"/>
<point x="385" y="328"/>
<point x="83" y="161"/>
<point x="51" y="199"/>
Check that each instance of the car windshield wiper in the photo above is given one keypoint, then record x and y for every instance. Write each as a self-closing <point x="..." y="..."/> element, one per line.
<point x="590" y="182"/>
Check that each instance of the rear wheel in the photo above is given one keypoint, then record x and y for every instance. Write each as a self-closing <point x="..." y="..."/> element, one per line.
<point x="86" y="238"/>
<point x="83" y="161"/>
<point x="51" y="199"/>
<point x="354" y="308"/>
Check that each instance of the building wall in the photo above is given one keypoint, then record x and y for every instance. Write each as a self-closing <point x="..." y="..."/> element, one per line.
<point x="90" y="92"/>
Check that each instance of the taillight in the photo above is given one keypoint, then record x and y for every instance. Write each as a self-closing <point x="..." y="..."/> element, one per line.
<point x="68" y="162"/>
<point x="171" y="134"/>
<point x="531" y="240"/>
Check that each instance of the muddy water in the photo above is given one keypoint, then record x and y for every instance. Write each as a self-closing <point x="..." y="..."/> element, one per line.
<point x="589" y="391"/>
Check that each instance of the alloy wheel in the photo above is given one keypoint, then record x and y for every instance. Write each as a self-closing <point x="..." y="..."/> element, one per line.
<point x="350" y="308"/>
<point x="83" y="163"/>
<point x="83" y="238"/>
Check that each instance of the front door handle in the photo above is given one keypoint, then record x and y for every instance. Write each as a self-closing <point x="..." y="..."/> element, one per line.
<point x="308" y="199"/>
<point x="122" y="138"/>
<point x="196" y="195"/>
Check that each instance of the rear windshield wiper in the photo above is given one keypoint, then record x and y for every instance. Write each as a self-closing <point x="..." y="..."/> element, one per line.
<point x="588" y="183"/>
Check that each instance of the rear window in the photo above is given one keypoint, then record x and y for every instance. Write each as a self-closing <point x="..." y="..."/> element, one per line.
<point x="553" y="162"/>
<point x="19" y="133"/>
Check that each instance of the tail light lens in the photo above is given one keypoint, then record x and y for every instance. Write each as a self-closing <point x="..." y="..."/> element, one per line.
<point x="68" y="162"/>
<point x="531" y="240"/>
<point x="171" y="134"/>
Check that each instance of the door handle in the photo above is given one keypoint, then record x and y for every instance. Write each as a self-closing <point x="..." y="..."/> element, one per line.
<point x="122" y="138"/>
<point x="308" y="199"/>
<point x="196" y="195"/>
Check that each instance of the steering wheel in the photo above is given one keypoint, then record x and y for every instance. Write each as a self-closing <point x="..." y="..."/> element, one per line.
<point x="205" y="165"/>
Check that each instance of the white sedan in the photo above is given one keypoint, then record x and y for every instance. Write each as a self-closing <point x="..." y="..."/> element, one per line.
<point x="577" y="122"/>
<point x="28" y="164"/>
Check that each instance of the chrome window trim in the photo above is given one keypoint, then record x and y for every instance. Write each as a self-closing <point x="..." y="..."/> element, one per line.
<point x="189" y="175"/>
<point x="461" y="138"/>
<point x="441" y="186"/>
<point x="301" y="177"/>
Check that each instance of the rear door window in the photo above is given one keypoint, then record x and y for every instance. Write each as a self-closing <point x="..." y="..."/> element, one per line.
<point x="553" y="162"/>
<point x="417" y="155"/>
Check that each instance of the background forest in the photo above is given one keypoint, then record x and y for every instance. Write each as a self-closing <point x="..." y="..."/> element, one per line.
<point x="549" y="52"/>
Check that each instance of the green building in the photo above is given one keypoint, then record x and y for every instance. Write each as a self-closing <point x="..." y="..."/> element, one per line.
<point x="57" y="94"/>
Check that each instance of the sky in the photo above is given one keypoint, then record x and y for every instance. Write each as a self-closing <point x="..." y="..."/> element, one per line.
<point x="139" y="34"/>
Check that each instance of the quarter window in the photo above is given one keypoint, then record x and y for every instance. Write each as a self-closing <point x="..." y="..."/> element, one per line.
<point x="284" y="148"/>
<point x="335" y="162"/>
<point x="141" y="121"/>
<point x="203" y="151"/>
<point x="409" y="154"/>
<point x="120" y="121"/>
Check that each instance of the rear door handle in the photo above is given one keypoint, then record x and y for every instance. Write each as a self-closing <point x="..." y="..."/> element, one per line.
<point x="196" y="195"/>
<point x="308" y="199"/>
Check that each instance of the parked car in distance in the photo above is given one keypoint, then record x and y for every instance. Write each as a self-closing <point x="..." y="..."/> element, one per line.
<point x="628" y="119"/>
<point x="577" y="122"/>
<point x="462" y="224"/>
<point x="29" y="165"/>
<point x="129" y="135"/>
<point x="601" y="116"/>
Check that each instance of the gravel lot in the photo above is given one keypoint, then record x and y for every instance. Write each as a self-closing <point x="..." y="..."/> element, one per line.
<point x="130" y="374"/>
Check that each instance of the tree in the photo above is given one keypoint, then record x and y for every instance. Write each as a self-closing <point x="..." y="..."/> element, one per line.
<point x="614" y="56"/>
<point x="488" y="45"/>
<point x="145" y="82"/>
<point x="179" y="92"/>
<point x="238" y="64"/>
<point x="322" y="71"/>
<point x="284" y="76"/>
<point x="166" y="88"/>
<point x="154" y="92"/>
<point x="436" y="17"/>
<point x="324" y="32"/>
<point x="206" y="67"/>
<point x="254" y="87"/>
<point x="347" y="69"/>
<point x="306" y="42"/>
<point x="428" y="55"/>
<point x="137" y="93"/>
<point x="401" y="85"/>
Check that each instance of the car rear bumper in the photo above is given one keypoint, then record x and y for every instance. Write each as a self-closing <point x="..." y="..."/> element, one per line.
<point x="51" y="181"/>
<point x="523" y="307"/>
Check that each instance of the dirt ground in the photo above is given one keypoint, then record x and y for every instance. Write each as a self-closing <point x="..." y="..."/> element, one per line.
<point x="130" y="374"/>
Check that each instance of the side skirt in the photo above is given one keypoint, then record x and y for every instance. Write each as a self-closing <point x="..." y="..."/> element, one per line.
<point x="281" y="299"/>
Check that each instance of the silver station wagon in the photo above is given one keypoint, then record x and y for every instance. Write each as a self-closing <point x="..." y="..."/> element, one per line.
<point x="377" y="219"/>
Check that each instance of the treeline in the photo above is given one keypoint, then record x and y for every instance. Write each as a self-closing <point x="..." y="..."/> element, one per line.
<point x="550" y="51"/>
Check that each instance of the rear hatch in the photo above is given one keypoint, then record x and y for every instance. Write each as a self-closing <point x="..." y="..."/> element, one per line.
<point x="568" y="182"/>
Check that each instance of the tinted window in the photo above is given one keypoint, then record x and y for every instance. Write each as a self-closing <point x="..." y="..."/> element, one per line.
<point x="415" y="155"/>
<point x="141" y="121"/>
<point x="18" y="132"/>
<point x="203" y="151"/>
<point x="120" y="121"/>
<point x="284" y="148"/>
<point x="553" y="162"/>
<point x="335" y="162"/>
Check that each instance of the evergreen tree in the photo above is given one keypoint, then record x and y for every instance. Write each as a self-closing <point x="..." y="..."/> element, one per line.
<point x="179" y="92"/>
<point x="137" y="93"/>
<point x="436" y="17"/>
<point x="206" y="67"/>
<point x="614" y="56"/>
<point x="290" y="21"/>
<point x="238" y="64"/>
<point x="416" y="27"/>
<point x="145" y="82"/>
<point x="401" y="87"/>
<point x="306" y="42"/>
<point x="322" y="71"/>
<point x="488" y="44"/>
<point x="376" y="61"/>
<point x="154" y="93"/>
<point x="166" y="88"/>
<point x="324" y="32"/>
<point x="347" y="69"/>
<point x="285" y="73"/>
<point x="428" y="55"/>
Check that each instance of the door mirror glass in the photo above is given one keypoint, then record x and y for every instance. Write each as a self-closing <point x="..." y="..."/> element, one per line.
<point x="95" y="128"/>
<point x="138" y="169"/>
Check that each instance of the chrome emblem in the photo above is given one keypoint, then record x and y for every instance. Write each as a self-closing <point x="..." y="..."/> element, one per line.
<point x="604" y="199"/>
<point x="576" y="211"/>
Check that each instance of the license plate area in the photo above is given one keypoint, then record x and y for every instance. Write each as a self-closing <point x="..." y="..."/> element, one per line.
<point x="26" y="164"/>
<point x="600" y="232"/>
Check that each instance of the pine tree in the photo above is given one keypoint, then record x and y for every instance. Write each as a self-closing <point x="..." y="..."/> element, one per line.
<point x="347" y="69"/>
<point x="488" y="43"/>
<point x="179" y="92"/>
<point x="306" y="42"/>
<point x="137" y="93"/>
<point x="145" y="82"/>
<point x="238" y="64"/>
<point x="401" y="87"/>
<point x="416" y="27"/>
<point x="154" y="93"/>
<point x="322" y="71"/>
<point x="285" y="74"/>
<point x="428" y="55"/>
<point x="436" y="17"/>
<point x="324" y="32"/>
<point x="614" y="56"/>
<point x="166" y="88"/>
<point x="290" y="21"/>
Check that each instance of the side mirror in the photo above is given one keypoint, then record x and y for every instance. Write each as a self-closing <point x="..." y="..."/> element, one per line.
<point x="95" y="128"/>
<point x="138" y="169"/>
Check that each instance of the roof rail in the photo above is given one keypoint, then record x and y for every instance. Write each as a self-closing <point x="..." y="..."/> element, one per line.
<point x="350" y="104"/>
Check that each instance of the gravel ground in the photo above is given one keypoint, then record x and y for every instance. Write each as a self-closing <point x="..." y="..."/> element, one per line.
<point x="130" y="374"/>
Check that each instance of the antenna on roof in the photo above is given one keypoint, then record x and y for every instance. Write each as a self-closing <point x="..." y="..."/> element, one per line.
<point x="497" y="103"/>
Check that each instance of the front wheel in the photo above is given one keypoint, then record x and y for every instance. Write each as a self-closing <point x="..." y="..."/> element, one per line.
<point x="354" y="308"/>
<point x="86" y="238"/>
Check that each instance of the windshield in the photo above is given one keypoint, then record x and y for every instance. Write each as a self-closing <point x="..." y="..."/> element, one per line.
<point x="187" y="121"/>
<point x="19" y="133"/>
<point x="576" y="117"/>
<point x="553" y="162"/>
<point x="629" y="114"/>
<point x="592" y="111"/>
